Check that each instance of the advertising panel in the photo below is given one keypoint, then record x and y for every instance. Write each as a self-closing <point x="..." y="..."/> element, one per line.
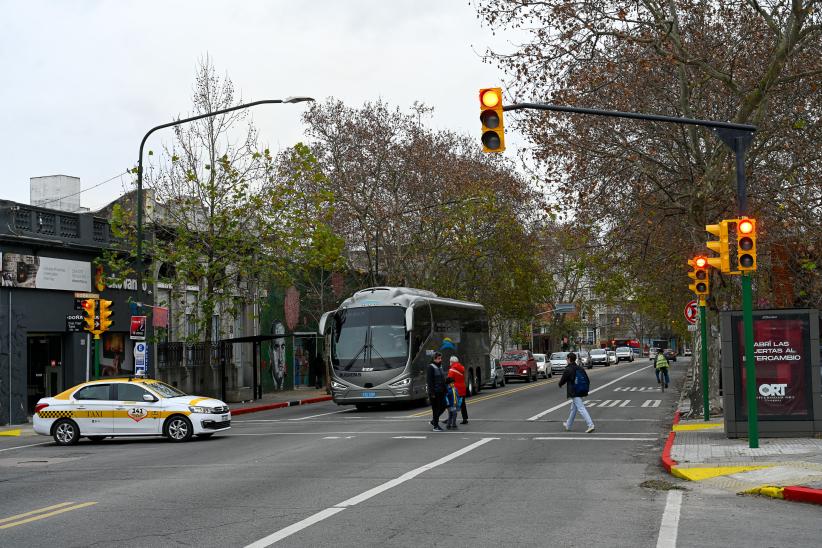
<point x="783" y="367"/>
<point x="35" y="272"/>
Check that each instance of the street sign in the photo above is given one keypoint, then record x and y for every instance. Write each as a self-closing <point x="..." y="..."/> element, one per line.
<point x="138" y="328"/>
<point x="692" y="327"/>
<point x="74" y="323"/>
<point x="140" y="359"/>
<point x="691" y="312"/>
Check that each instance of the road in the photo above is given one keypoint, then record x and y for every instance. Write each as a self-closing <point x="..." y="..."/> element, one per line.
<point x="322" y="475"/>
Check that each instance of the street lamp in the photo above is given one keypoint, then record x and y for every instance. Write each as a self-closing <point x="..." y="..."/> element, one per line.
<point x="140" y="171"/>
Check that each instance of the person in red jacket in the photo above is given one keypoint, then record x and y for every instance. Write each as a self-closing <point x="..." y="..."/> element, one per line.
<point x="457" y="372"/>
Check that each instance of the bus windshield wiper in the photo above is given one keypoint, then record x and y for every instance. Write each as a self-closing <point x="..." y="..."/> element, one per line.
<point x="374" y="350"/>
<point x="357" y="355"/>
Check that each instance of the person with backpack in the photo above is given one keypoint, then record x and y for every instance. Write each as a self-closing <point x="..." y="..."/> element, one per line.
<point x="661" y="366"/>
<point x="578" y="383"/>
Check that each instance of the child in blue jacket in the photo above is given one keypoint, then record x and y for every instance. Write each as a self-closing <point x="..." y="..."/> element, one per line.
<point x="453" y="401"/>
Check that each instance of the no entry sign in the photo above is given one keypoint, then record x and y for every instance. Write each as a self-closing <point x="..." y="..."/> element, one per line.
<point x="691" y="312"/>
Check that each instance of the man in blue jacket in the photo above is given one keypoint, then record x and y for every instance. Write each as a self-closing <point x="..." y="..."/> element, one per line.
<point x="578" y="383"/>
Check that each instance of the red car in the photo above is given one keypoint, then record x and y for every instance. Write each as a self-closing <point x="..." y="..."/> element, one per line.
<point x="519" y="364"/>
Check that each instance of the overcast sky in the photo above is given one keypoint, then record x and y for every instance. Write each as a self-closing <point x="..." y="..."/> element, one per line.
<point x="82" y="81"/>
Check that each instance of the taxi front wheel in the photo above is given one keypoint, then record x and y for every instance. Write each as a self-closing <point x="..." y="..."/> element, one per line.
<point x="178" y="428"/>
<point x="65" y="432"/>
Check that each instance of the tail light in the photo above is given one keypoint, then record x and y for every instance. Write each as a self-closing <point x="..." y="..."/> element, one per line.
<point x="39" y="407"/>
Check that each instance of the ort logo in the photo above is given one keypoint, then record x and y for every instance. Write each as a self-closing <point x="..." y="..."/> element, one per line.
<point x="137" y="414"/>
<point x="772" y="389"/>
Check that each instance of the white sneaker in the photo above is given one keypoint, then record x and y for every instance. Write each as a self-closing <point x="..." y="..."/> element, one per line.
<point x="565" y="425"/>
<point x="590" y="429"/>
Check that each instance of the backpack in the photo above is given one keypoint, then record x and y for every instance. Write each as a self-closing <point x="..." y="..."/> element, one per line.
<point x="581" y="383"/>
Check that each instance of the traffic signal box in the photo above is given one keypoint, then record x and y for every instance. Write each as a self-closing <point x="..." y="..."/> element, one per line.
<point x="493" y="130"/>
<point x="746" y="244"/>
<point x="89" y="307"/>
<point x="720" y="247"/>
<point x="97" y="316"/>
<point x="699" y="274"/>
<point x="105" y="315"/>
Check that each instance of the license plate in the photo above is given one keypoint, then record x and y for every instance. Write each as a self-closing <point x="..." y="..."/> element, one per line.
<point x="369" y="394"/>
<point x="224" y="418"/>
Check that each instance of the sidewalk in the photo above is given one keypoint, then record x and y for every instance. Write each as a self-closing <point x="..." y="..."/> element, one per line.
<point x="784" y="468"/>
<point x="276" y="400"/>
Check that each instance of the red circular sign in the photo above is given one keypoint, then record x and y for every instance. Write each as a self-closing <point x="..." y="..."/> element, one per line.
<point x="690" y="312"/>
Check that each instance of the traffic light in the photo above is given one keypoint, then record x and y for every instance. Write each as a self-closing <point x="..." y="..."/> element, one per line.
<point x="699" y="275"/>
<point x="88" y="306"/>
<point x="493" y="131"/>
<point x="721" y="246"/>
<point x="105" y="315"/>
<point x="746" y="244"/>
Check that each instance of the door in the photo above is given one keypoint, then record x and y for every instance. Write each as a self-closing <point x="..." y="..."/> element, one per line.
<point x="93" y="409"/>
<point x="45" y="367"/>
<point x="132" y="414"/>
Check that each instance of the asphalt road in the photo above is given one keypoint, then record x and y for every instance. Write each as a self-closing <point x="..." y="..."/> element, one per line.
<point x="322" y="475"/>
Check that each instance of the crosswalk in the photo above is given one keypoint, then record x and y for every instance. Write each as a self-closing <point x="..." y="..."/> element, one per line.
<point x="622" y="403"/>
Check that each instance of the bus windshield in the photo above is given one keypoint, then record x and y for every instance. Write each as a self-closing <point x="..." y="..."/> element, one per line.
<point x="369" y="339"/>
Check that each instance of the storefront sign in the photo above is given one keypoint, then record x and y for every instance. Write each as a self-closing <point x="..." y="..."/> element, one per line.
<point x="138" y="328"/>
<point x="74" y="323"/>
<point x="35" y="272"/>
<point x="783" y="367"/>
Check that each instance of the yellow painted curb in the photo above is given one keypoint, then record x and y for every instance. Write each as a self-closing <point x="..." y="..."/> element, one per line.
<point x="703" y="473"/>
<point x="10" y="432"/>
<point x="767" y="491"/>
<point x="704" y="426"/>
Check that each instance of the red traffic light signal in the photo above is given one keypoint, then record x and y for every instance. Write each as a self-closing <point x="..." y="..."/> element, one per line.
<point x="746" y="244"/>
<point x="700" y="262"/>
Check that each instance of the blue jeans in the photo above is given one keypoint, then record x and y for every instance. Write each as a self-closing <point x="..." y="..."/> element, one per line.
<point x="664" y="370"/>
<point x="577" y="405"/>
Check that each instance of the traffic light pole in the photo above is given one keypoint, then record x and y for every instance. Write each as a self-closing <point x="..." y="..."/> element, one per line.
<point x="703" y="327"/>
<point x="96" y="358"/>
<point x="750" y="364"/>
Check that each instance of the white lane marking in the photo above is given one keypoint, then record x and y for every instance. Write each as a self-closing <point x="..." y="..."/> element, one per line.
<point x="353" y="501"/>
<point x="652" y="403"/>
<point x="669" y="528"/>
<point x="410" y="438"/>
<point x="566" y="402"/>
<point x="321" y="415"/>
<point x="594" y="438"/>
<point x="331" y="438"/>
<point x="23" y="446"/>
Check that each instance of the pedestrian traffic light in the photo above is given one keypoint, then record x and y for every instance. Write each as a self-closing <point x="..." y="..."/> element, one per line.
<point x="746" y="244"/>
<point x="699" y="275"/>
<point x="721" y="246"/>
<point x="493" y="131"/>
<point x="105" y="315"/>
<point x="88" y="306"/>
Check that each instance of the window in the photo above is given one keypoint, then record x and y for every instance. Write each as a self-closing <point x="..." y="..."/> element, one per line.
<point x="129" y="392"/>
<point x="93" y="392"/>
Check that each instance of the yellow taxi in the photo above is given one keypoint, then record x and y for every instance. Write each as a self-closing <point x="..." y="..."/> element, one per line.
<point x="128" y="407"/>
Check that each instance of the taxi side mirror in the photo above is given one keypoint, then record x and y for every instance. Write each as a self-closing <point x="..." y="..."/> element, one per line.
<point x="149" y="397"/>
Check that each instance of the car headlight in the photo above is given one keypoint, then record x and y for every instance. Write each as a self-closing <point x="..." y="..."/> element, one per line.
<point x="401" y="384"/>
<point x="200" y="409"/>
<point x="338" y="386"/>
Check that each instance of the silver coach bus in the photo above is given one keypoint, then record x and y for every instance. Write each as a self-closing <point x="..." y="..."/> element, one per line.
<point x="381" y="339"/>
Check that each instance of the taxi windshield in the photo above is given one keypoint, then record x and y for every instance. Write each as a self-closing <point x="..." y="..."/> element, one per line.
<point x="165" y="390"/>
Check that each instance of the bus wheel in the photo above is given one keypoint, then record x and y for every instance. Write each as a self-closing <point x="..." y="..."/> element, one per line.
<point x="478" y="383"/>
<point x="361" y="406"/>
<point x="469" y="388"/>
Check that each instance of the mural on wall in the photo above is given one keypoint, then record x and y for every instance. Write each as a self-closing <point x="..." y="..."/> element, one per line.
<point x="276" y="355"/>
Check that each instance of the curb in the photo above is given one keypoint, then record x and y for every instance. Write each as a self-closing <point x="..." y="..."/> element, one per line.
<point x="667" y="462"/>
<point x="278" y="405"/>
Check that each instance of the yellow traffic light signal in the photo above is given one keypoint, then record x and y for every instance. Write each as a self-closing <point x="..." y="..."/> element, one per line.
<point x="105" y="315"/>
<point x="493" y="130"/>
<point x="721" y="246"/>
<point x="701" y="283"/>
<point x="88" y="306"/>
<point x="746" y="244"/>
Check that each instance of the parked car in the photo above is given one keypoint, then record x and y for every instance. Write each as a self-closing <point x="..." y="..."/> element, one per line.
<point x="558" y="362"/>
<point x="624" y="353"/>
<point x="687" y="353"/>
<point x="599" y="356"/>
<point x="652" y="353"/>
<point x="584" y="358"/>
<point x="497" y="377"/>
<point x="128" y="407"/>
<point x="670" y="354"/>
<point x="519" y="364"/>
<point x="612" y="357"/>
<point x="542" y="365"/>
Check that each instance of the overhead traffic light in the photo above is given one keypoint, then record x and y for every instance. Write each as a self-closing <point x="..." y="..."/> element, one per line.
<point x="493" y="130"/>
<point x="701" y="285"/>
<point x="746" y="244"/>
<point x="105" y="315"/>
<point x="88" y="306"/>
<point x="721" y="246"/>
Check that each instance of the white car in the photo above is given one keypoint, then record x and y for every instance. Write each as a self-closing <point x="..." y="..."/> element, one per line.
<point x="128" y="407"/>
<point x="624" y="353"/>
<point x="558" y="362"/>
<point x="542" y="366"/>
<point x="612" y="357"/>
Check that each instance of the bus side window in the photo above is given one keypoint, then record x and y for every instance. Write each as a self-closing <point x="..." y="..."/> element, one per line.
<point x="422" y="329"/>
